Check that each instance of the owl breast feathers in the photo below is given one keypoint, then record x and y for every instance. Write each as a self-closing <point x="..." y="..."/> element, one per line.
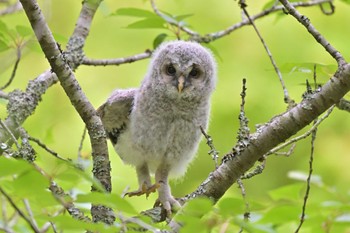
<point x="156" y="127"/>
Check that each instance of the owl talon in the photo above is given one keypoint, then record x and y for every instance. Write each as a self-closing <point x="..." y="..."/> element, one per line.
<point x="170" y="205"/>
<point x="144" y="189"/>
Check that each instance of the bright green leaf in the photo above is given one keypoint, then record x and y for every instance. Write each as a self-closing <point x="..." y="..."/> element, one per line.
<point x="182" y="17"/>
<point x="197" y="207"/>
<point x="107" y="199"/>
<point x="11" y="166"/>
<point x="3" y="46"/>
<point x="147" y="23"/>
<point x="269" y="4"/>
<point x="3" y="27"/>
<point x="231" y="206"/>
<point x="23" y="30"/>
<point x="289" y="192"/>
<point x="281" y="214"/>
<point x="159" y="39"/>
<point x="134" y="12"/>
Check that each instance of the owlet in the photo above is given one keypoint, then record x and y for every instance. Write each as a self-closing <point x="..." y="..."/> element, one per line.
<point x="156" y="127"/>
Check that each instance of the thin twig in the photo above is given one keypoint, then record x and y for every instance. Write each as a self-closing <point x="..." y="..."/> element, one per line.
<point x="308" y="181"/>
<point x="4" y="212"/>
<point x="42" y="145"/>
<point x="31" y="224"/>
<point x="13" y="74"/>
<point x="213" y="152"/>
<point x="10" y="133"/>
<point x="11" y="9"/>
<point x="306" y="134"/>
<point x="81" y="143"/>
<point x="116" y="61"/>
<point x="286" y="98"/>
<point x="258" y="170"/>
<point x="246" y="214"/>
<point x="216" y="35"/>
<point x="305" y="21"/>
<point x="30" y="212"/>
<point x="244" y="131"/>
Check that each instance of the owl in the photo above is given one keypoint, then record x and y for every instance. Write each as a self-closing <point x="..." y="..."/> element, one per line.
<point x="156" y="127"/>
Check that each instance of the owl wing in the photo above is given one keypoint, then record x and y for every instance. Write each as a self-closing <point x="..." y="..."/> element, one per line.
<point x="115" y="112"/>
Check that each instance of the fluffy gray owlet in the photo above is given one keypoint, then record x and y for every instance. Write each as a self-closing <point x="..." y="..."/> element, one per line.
<point x="156" y="128"/>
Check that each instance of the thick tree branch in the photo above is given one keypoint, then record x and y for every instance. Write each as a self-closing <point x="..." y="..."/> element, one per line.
<point x="77" y="97"/>
<point x="271" y="134"/>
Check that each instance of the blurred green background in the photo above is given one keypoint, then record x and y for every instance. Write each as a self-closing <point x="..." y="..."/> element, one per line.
<point x="242" y="55"/>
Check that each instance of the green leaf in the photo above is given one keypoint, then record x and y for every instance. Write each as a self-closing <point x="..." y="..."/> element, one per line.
<point x="231" y="206"/>
<point x="23" y="30"/>
<point x="269" y="4"/>
<point x="308" y="68"/>
<point x="159" y="39"/>
<point x="3" y="27"/>
<point x="198" y="207"/>
<point x="155" y="22"/>
<point x="134" y="12"/>
<point x="214" y="50"/>
<point x="346" y="1"/>
<point x="288" y="192"/>
<point x="282" y="214"/>
<point x="182" y="17"/>
<point x="107" y="199"/>
<point x="10" y="166"/>
<point x="3" y="46"/>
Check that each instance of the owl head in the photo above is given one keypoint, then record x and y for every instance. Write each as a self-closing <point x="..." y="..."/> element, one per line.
<point x="182" y="69"/>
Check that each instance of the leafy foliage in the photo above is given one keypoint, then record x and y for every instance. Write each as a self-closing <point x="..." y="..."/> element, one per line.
<point x="327" y="211"/>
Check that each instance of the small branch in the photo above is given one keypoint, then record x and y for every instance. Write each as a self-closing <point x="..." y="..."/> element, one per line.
<point x="305" y="21"/>
<point x="213" y="152"/>
<point x="287" y="99"/>
<point x="13" y="74"/>
<point x="11" y="9"/>
<point x="59" y="195"/>
<point x="4" y="126"/>
<point x="81" y="144"/>
<point x="258" y="170"/>
<point x="30" y="223"/>
<point x="116" y="61"/>
<point x="30" y="213"/>
<point x="216" y="35"/>
<point x="305" y="135"/>
<point x="244" y="131"/>
<point x="343" y="104"/>
<point x="42" y="145"/>
<point x="246" y="214"/>
<point x="308" y="181"/>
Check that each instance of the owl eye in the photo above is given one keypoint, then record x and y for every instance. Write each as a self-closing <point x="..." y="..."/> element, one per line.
<point x="194" y="72"/>
<point x="170" y="70"/>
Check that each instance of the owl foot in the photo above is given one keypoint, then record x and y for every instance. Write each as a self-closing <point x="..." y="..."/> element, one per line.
<point x="169" y="203"/>
<point x="144" y="189"/>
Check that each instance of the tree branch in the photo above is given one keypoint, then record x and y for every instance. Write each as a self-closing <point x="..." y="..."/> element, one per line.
<point x="77" y="97"/>
<point x="271" y="134"/>
<point x="216" y="35"/>
<point x="116" y="61"/>
<point x="305" y="21"/>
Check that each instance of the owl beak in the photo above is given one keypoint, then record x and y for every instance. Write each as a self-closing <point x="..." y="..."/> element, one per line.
<point x="181" y="83"/>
